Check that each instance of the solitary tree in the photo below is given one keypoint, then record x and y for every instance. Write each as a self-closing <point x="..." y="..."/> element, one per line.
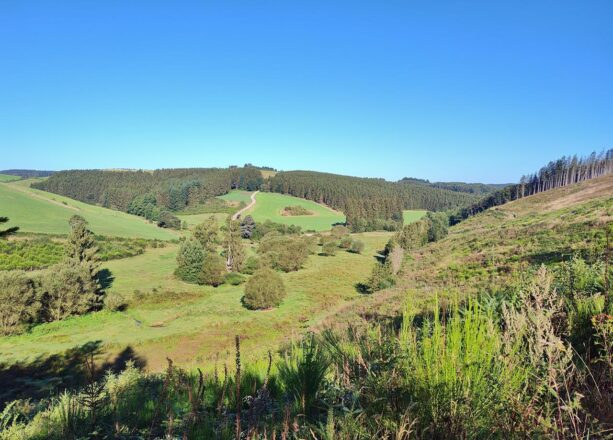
<point x="189" y="260"/>
<point x="81" y="242"/>
<point x="235" y="253"/>
<point x="265" y="289"/>
<point x="213" y="270"/>
<point x="83" y="254"/>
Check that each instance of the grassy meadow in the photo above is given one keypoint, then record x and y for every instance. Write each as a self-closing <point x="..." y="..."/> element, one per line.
<point x="42" y="212"/>
<point x="195" y="219"/>
<point x="412" y="215"/>
<point x="8" y="178"/>
<point x="237" y="196"/>
<point x="191" y="323"/>
<point x="269" y="206"/>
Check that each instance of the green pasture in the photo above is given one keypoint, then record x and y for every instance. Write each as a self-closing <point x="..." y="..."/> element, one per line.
<point x="39" y="211"/>
<point x="237" y="196"/>
<point x="412" y="215"/>
<point x="191" y="323"/>
<point x="195" y="219"/>
<point x="8" y="178"/>
<point x="269" y="206"/>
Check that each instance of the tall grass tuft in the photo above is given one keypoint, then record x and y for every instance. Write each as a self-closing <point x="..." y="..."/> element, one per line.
<point x="302" y="373"/>
<point x="462" y="376"/>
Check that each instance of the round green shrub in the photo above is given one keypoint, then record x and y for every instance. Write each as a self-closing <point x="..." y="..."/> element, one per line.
<point x="213" y="270"/>
<point x="264" y="290"/>
<point x="346" y="242"/>
<point x="357" y="247"/>
<point x="329" y="248"/>
<point x="114" y="302"/>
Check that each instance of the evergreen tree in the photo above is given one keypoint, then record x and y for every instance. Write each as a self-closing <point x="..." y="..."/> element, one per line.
<point x="235" y="253"/>
<point x="189" y="260"/>
<point x="82" y="249"/>
<point x="69" y="290"/>
<point x="207" y="233"/>
<point x="438" y="225"/>
<point x="381" y="277"/>
<point x="20" y="305"/>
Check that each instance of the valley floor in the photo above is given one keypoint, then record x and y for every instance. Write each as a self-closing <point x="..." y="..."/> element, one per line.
<point x="192" y="324"/>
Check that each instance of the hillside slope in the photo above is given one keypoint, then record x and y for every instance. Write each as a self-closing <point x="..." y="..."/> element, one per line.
<point x="38" y="211"/>
<point x="493" y="248"/>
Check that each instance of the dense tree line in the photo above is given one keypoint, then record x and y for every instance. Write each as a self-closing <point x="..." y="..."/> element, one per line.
<point x="558" y="173"/>
<point x="28" y="174"/>
<point x="367" y="203"/>
<point x="470" y="188"/>
<point x="149" y="193"/>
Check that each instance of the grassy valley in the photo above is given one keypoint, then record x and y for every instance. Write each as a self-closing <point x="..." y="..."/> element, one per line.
<point x="429" y="319"/>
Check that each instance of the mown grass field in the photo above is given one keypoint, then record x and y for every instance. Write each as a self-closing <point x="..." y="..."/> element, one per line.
<point x="412" y="215"/>
<point x="191" y="323"/>
<point x="195" y="219"/>
<point x="8" y="178"/>
<point x="270" y="205"/>
<point x="237" y="196"/>
<point x="42" y="212"/>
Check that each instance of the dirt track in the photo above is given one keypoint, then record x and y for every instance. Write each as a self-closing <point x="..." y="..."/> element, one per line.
<point x="237" y="215"/>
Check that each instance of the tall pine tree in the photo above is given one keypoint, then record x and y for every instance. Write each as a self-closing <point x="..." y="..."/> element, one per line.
<point x="82" y="249"/>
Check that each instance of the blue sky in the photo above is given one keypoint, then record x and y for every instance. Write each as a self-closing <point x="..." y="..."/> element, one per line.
<point x="471" y="91"/>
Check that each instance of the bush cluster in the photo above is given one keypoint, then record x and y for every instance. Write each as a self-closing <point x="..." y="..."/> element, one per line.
<point x="286" y="253"/>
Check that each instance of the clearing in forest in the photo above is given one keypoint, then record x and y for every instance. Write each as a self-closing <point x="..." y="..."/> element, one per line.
<point x="270" y="206"/>
<point x="412" y="215"/>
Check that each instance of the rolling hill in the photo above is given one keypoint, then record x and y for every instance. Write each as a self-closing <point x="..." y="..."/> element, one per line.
<point x="41" y="212"/>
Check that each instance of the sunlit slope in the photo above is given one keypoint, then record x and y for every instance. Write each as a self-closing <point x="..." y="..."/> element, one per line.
<point x="38" y="211"/>
<point x="492" y="249"/>
<point x="545" y="228"/>
<point x="269" y="206"/>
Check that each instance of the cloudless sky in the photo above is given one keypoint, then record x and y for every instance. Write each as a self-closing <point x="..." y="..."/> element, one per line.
<point x="444" y="90"/>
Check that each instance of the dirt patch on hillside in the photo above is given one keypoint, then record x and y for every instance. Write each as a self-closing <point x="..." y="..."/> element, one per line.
<point x="601" y="187"/>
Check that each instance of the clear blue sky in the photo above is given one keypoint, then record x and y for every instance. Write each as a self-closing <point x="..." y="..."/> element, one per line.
<point x="458" y="90"/>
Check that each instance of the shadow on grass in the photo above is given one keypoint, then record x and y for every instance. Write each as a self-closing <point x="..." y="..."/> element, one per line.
<point x="362" y="288"/>
<point x="48" y="376"/>
<point x="105" y="278"/>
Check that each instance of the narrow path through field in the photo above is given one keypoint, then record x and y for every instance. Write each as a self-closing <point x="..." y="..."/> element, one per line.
<point x="237" y="215"/>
